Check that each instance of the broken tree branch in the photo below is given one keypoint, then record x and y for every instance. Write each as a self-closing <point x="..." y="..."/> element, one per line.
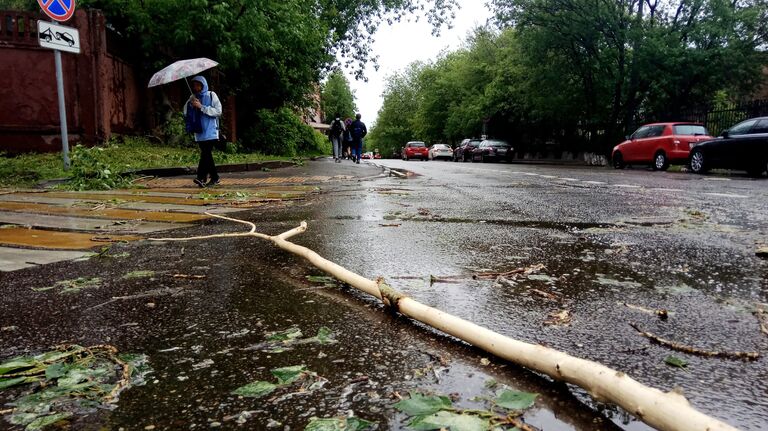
<point x="694" y="350"/>
<point x="664" y="411"/>
<point x="662" y="313"/>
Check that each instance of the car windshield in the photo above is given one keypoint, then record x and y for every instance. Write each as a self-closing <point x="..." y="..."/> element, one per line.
<point x="690" y="129"/>
<point x="416" y="144"/>
<point x="497" y="144"/>
<point x="439" y="147"/>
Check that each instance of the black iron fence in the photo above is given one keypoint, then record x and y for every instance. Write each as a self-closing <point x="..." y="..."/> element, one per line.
<point x="717" y="118"/>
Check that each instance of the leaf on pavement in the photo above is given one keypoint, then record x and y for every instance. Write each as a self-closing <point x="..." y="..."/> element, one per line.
<point x="288" y="334"/>
<point x="675" y="361"/>
<point x="288" y="375"/>
<point x="255" y="390"/>
<point x="420" y="405"/>
<point x="450" y="420"/>
<point x="515" y="400"/>
<point x="338" y="424"/>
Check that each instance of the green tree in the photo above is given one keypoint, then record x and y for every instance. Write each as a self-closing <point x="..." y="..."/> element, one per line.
<point x="272" y="53"/>
<point x="337" y="97"/>
<point x="395" y="123"/>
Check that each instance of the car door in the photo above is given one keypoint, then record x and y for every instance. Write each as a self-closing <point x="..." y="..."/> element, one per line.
<point x="757" y="146"/>
<point x="652" y="142"/>
<point x="631" y="151"/>
<point x="729" y="153"/>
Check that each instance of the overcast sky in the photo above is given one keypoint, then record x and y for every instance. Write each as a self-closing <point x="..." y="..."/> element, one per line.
<point x="400" y="44"/>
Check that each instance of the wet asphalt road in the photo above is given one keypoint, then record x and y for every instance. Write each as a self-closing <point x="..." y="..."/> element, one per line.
<point x="676" y="241"/>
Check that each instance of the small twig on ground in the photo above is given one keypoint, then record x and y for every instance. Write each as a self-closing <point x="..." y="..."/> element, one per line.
<point x="521" y="425"/>
<point x="390" y="225"/>
<point x="525" y="271"/>
<point x="146" y="177"/>
<point x="192" y="276"/>
<point x="762" y="319"/>
<point x="696" y="351"/>
<point x="662" y="312"/>
<point x="546" y="295"/>
<point x="155" y="292"/>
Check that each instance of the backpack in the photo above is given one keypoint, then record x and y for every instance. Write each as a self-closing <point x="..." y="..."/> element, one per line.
<point x="358" y="130"/>
<point x="336" y="128"/>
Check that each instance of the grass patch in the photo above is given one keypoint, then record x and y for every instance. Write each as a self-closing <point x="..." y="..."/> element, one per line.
<point x="120" y="154"/>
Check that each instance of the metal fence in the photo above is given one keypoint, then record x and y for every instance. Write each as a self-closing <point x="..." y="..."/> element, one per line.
<point x="716" y="119"/>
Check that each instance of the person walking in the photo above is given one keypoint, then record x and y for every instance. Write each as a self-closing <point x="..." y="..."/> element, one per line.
<point x="347" y="138"/>
<point x="335" y="135"/>
<point x="358" y="133"/>
<point x="201" y="114"/>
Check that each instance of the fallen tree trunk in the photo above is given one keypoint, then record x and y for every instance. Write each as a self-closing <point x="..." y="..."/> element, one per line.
<point x="661" y="410"/>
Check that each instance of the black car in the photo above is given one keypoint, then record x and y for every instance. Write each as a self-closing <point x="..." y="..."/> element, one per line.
<point x="743" y="146"/>
<point x="464" y="151"/>
<point x="492" y="150"/>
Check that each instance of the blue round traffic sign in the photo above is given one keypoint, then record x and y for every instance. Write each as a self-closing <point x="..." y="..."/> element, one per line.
<point x="58" y="10"/>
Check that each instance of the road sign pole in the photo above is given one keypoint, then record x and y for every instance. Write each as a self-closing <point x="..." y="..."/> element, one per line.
<point x="62" y="109"/>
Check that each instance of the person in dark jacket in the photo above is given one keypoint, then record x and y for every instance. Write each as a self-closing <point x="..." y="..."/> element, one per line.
<point x="358" y="133"/>
<point x="335" y="135"/>
<point x="202" y="112"/>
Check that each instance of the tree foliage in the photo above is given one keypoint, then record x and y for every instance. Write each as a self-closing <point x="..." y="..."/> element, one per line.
<point x="337" y="97"/>
<point x="583" y="73"/>
<point x="272" y="53"/>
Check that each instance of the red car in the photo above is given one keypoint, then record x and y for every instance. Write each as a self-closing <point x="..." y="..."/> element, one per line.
<point x="659" y="144"/>
<point x="415" y="150"/>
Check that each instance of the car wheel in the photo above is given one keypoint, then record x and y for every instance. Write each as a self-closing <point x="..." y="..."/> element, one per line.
<point x="660" y="161"/>
<point x="618" y="161"/>
<point x="483" y="159"/>
<point x="698" y="162"/>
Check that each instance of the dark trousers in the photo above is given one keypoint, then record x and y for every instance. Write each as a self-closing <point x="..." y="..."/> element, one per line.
<point x="206" y="166"/>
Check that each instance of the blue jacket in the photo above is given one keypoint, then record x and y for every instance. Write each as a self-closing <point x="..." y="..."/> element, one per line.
<point x="211" y="111"/>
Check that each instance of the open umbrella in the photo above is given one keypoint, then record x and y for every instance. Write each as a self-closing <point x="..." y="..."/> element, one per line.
<point x="181" y="69"/>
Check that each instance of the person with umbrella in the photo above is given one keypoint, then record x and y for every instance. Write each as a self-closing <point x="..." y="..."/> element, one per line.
<point x="202" y="112"/>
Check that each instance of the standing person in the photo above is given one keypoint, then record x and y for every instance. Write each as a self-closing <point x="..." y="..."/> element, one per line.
<point x="358" y="133"/>
<point x="201" y="113"/>
<point x="348" y="138"/>
<point x="335" y="135"/>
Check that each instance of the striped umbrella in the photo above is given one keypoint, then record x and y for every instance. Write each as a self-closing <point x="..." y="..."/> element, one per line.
<point x="181" y="69"/>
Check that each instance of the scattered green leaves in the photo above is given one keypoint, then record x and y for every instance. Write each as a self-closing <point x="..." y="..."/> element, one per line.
<point x="72" y="286"/>
<point x="338" y="424"/>
<point x="430" y="412"/>
<point x="281" y="341"/>
<point x="286" y="376"/>
<point x="450" y="420"/>
<point x="676" y="362"/>
<point x="71" y="379"/>
<point x="139" y="274"/>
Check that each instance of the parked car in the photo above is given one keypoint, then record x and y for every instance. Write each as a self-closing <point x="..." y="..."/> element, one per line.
<point x="659" y="144"/>
<point x="367" y="156"/>
<point x="376" y="155"/>
<point x="415" y="150"/>
<point x="743" y="146"/>
<point x="491" y="150"/>
<point x="464" y="151"/>
<point x="440" y="151"/>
